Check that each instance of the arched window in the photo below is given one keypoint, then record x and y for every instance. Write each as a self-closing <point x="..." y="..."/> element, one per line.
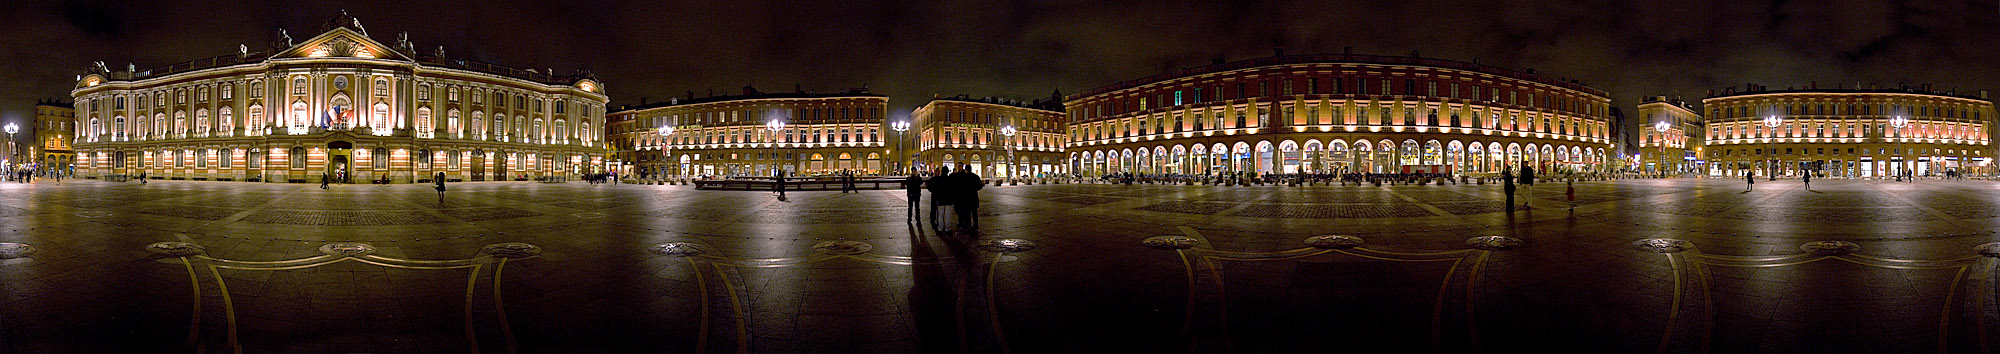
<point x="381" y="87"/>
<point x="118" y="126"/>
<point x="299" y="117"/>
<point x="535" y="132"/>
<point x="223" y="157"/>
<point x="299" y="86"/>
<point x="256" y="89"/>
<point x="424" y="122"/>
<point x="226" y="122"/>
<point x="159" y="125"/>
<point x="423" y="159"/>
<point x="201" y="122"/>
<point x="560" y="132"/>
<point x="380" y="123"/>
<point x="452" y="129"/>
<point x="379" y="158"/>
<point x="298" y="157"/>
<point x="256" y="123"/>
<point x="500" y="124"/>
<point x="180" y="124"/>
<point x="93" y="129"/>
<point x="478" y="124"/>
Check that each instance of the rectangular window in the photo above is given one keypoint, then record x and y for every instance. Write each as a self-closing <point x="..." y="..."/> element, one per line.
<point x="1431" y="87"/>
<point x="1409" y="87"/>
<point x="1361" y="86"/>
<point x="1312" y="86"/>
<point x="1177" y="98"/>
<point x="1336" y="86"/>
<point x="1288" y="87"/>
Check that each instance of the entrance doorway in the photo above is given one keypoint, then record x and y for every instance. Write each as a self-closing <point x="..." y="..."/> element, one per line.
<point x="339" y="158"/>
<point x="478" y="165"/>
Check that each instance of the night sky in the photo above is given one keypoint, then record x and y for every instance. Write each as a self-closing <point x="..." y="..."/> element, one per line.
<point x="1025" y="49"/>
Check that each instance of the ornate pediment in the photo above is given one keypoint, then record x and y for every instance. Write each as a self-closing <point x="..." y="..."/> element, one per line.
<point x="341" y="42"/>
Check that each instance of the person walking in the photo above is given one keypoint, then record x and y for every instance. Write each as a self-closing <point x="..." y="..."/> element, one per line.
<point x="847" y="183"/>
<point x="914" y="186"/>
<point x="1507" y="185"/>
<point x="1528" y="180"/>
<point x="142" y="178"/>
<point x="1570" y="191"/>
<point x="1808" y="180"/>
<point x="966" y="202"/>
<point x="941" y="197"/>
<point x="779" y="176"/>
<point x="323" y="180"/>
<point x="1749" y="179"/>
<point x="440" y="188"/>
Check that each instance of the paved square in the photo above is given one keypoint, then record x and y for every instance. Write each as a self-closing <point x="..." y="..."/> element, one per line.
<point x="1673" y="265"/>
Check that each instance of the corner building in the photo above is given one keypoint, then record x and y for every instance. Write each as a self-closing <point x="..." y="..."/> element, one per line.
<point x="962" y="131"/>
<point x="732" y="135"/>
<point x="338" y="104"/>
<point x="1675" y="150"/>
<point x="55" y="120"/>
<point x="1848" y="133"/>
<point x="1338" y="113"/>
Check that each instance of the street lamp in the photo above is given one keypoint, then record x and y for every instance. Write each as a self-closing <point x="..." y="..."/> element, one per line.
<point x="1662" y="127"/>
<point x="1899" y="122"/>
<point x="900" y="127"/>
<point x="775" y="126"/>
<point x="1771" y="135"/>
<point x="1009" y="143"/>
<point x="666" y="157"/>
<point x="12" y="154"/>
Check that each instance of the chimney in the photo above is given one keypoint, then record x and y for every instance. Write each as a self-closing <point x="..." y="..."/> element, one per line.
<point x="1982" y="94"/>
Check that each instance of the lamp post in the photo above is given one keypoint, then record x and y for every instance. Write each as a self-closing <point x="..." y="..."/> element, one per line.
<point x="1662" y="128"/>
<point x="1772" y="122"/>
<point x="901" y="158"/>
<point x="775" y="126"/>
<point x="666" y="156"/>
<point x="1009" y="131"/>
<point x="12" y="151"/>
<point x="1899" y="122"/>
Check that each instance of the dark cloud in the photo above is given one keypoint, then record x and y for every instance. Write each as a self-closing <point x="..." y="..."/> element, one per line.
<point x="1026" y="49"/>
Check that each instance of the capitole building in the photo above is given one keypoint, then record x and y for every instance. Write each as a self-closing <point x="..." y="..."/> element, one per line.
<point x="1339" y="113"/>
<point x="339" y="104"/>
<point x="1847" y="132"/>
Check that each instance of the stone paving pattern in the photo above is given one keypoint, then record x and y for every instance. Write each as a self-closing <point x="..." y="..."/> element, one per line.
<point x="1576" y="284"/>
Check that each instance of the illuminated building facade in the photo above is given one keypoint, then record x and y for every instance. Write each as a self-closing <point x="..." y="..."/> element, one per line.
<point x="1338" y="113"/>
<point x="1675" y="150"/>
<point x="734" y="135"/>
<point x="55" y="120"/>
<point x="974" y="132"/>
<point x="1848" y="132"/>
<point x="342" y="105"/>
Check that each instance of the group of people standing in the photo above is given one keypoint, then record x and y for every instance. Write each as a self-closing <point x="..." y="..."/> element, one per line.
<point x="952" y="193"/>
